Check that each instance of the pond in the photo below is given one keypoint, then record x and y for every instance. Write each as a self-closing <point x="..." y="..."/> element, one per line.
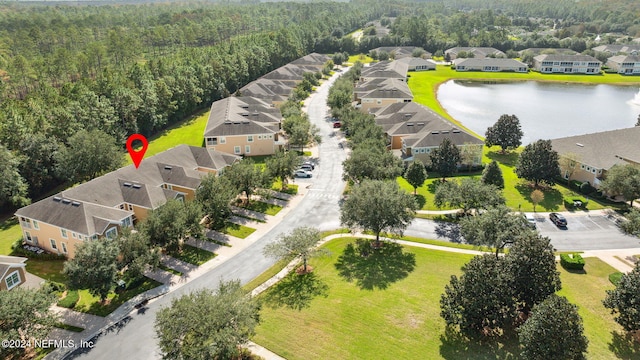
<point x="546" y="110"/>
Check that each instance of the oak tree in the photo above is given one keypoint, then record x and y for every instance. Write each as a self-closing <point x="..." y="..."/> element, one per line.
<point x="624" y="300"/>
<point x="93" y="267"/>
<point x="416" y="174"/>
<point x="301" y="242"/>
<point x="623" y="180"/>
<point x="538" y="162"/>
<point x="445" y="158"/>
<point x="506" y="133"/>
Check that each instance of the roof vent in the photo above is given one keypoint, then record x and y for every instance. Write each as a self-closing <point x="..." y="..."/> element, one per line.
<point x="578" y="144"/>
<point x="409" y="124"/>
<point x="66" y="201"/>
<point x="421" y="124"/>
<point x="127" y="184"/>
<point x="435" y="132"/>
<point x="75" y="203"/>
<point x="227" y="122"/>
<point x="236" y="122"/>
<point x="407" y="115"/>
<point x="445" y="131"/>
<point x="245" y="114"/>
<point x="137" y="186"/>
<point x="455" y="131"/>
<point x="57" y="198"/>
<point x="168" y="167"/>
<point x="255" y="114"/>
<point x="245" y="106"/>
<point x="245" y="122"/>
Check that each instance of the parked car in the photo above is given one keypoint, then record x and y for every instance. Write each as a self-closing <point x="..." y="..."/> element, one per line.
<point x="530" y="220"/>
<point x="337" y="124"/>
<point x="308" y="164"/>
<point x="302" y="174"/>
<point x="558" y="219"/>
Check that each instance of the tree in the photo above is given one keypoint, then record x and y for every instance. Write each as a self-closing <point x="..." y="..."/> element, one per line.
<point x="93" y="267"/>
<point x="25" y="315"/>
<point x="88" y="155"/>
<point x="492" y="175"/>
<point x="638" y="122"/>
<point x="632" y="225"/>
<point x="166" y="225"/>
<point x="301" y="242"/>
<point x="245" y="176"/>
<point x="445" y="158"/>
<point x="378" y="205"/>
<point x="283" y="165"/>
<point x="538" y="162"/>
<point x="624" y="301"/>
<point x="569" y="163"/>
<point x="468" y="194"/>
<point x="496" y="227"/>
<point x="215" y="194"/>
<point x="537" y="197"/>
<point x="370" y="161"/>
<point x="531" y="265"/>
<point x="207" y="325"/>
<point x="623" y="180"/>
<point x="416" y="174"/>
<point x="13" y="188"/>
<point x="478" y="301"/>
<point x="506" y="133"/>
<point x="136" y="253"/>
<point x="554" y="331"/>
<point x="38" y="163"/>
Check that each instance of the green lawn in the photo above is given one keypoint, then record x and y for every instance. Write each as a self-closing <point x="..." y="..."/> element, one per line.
<point x="192" y="255"/>
<point x="292" y="189"/>
<point x="266" y="275"/>
<point x="91" y="304"/>
<point x="190" y="132"/>
<point x="168" y="269"/>
<point x="47" y="269"/>
<point x="403" y="319"/>
<point x="9" y="232"/>
<point x="263" y="207"/>
<point x="237" y="230"/>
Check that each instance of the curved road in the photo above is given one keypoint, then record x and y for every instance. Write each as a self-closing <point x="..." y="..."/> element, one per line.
<point x="135" y="338"/>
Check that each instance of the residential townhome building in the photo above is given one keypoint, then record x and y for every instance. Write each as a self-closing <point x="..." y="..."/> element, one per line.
<point x="12" y="271"/>
<point x="313" y="60"/>
<point x="625" y="64"/>
<point x="491" y="65"/>
<point x="592" y="155"/>
<point x="292" y="74"/>
<point x="378" y="93"/>
<point x="619" y="49"/>
<point x="102" y="207"/>
<point x="400" y="52"/>
<point x="413" y="131"/>
<point x="418" y="64"/>
<point x="477" y="52"/>
<point x="274" y="91"/>
<point x="385" y="70"/>
<point x="245" y="126"/>
<point x="566" y="64"/>
<point x="540" y="51"/>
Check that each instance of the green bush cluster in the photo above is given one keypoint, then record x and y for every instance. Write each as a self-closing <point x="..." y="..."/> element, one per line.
<point x="572" y="261"/>
<point x="19" y="251"/>
<point x="70" y="300"/>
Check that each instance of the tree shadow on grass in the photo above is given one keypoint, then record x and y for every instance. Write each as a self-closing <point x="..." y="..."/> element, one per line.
<point x="450" y="231"/>
<point x="420" y="200"/>
<point x="508" y="159"/>
<point x="455" y="346"/>
<point x="624" y="345"/>
<point x="296" y="291"/>
<point x="552" y="197"/>
<point x="374" y="268"/>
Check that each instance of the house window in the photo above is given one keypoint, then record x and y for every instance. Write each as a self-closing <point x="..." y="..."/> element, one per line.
<point x="212" y="141"/>
<point x="259" y="137"/>
<point x="28" y="237"/>
<point x="64" y="233"/>
<point x="73" y="235"/>
<point x="126" y="222"/>
<point x="271" y="136"/>
<point x="249" y="138"/>
<point x="94" y="237"/>
<point x="223" y="140"/>
<point x="236" y="150"/>
<point x="378" y="102"/>
<point x="36" y="225"/>
<point x="12" y="280"/>
<point x="64" y="247"/>
<point x="247" y="149"/>
<point x="53" y="244"/>
<point x="582" y="166"/>
<point x="111" y="233"/>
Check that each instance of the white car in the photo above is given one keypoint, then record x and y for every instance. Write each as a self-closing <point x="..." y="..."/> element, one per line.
<point x="302" y="174"/>
<point x="531" y="220"/>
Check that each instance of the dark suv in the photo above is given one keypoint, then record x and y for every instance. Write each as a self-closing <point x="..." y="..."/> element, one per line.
<point x="558" y="219"/>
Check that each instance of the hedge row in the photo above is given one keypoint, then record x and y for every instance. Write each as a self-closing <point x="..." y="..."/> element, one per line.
<point x="572" y="261"/>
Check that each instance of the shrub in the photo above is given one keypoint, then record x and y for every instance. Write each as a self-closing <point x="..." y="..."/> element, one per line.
<point x="70" y="300"/>
<point x="572" y="261"/>
<point x="586" y="188"/>
<point x="575" y="184"/>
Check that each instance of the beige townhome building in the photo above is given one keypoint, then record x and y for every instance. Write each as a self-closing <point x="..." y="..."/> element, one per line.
<point x="566" y="64"/>
<point x="100" y="208"/>
<point x="380" y="92"/>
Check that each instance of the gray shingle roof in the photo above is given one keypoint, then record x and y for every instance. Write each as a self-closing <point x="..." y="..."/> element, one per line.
<point x="414" y="61"/>
<point x="434" y="138"/>
<point x="563" y="57"/>
<point x="538" y="51"/>
<point x="604" y="149"/>
<point x="399" y="51"/>
<point x="380" y="88"/>
<point x="312" y="59"/>
<point x="617" y="48"/>
<point x="479" y="52"/>
<point x="472" y="62"/>
<point x="625" y="58"/>
<point x="242" y="116"/>
<point x="386" y="69"/>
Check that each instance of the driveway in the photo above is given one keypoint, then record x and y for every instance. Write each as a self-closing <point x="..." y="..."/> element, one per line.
<point x="135" y="338"/>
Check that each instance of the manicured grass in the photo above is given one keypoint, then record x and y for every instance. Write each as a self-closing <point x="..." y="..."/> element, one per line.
<point x="365" y="59"/>
<point x="192" y="255"/>
<point x="445" y="243"/>
<point x="263" y="207"/>
<point x="292" y="189"/>
<point x="587" y="290"/>
<point x="237" y="230"/>
<point x="47" y="269"/>
<point x="168" y="269"/>
<point x="9" y="232"/>
<point x="401" y="321"/>
<point x="615" y="277"/>
<point x="70" y="300"/>
<point x="190" y="132"/>
<point x="266" y="275"/>
<point x="91" y="304"/>
<point x="69" y="327"/>
<point x="424" y="84"/>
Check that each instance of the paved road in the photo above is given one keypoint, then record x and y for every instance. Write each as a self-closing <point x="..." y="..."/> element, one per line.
<point x="584" y="232"/>
<point x="135" y="339"/>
